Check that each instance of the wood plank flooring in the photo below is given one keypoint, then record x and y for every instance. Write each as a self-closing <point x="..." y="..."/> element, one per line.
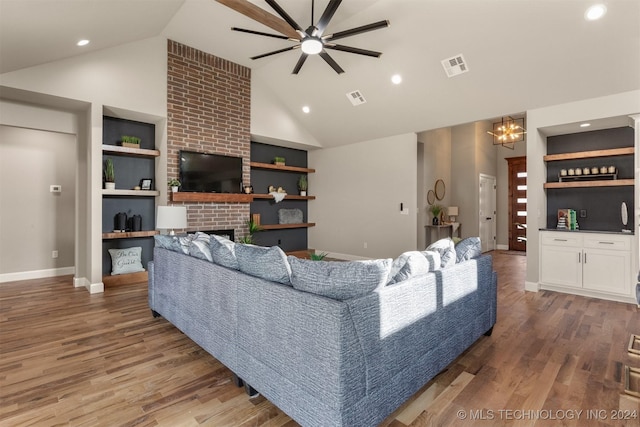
<point x="71" y="358"/>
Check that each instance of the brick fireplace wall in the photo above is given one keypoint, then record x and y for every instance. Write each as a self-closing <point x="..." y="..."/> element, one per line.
<point x="208" y="110"/>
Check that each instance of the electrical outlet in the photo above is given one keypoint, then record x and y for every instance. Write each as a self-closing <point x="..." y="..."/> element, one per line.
<point x="55" y="188"/>
<point x="583" y="213"/>
<point x="54" y="254"/>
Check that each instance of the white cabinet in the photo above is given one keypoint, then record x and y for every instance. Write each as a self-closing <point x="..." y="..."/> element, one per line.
<point x="591" y="264"/>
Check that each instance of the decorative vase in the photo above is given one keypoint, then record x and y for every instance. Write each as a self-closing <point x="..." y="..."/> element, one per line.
<point x="435" y="221"/>
<point x="110" y="185"/>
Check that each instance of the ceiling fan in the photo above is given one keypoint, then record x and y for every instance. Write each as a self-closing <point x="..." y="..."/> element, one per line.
<point x="311" y="41"/>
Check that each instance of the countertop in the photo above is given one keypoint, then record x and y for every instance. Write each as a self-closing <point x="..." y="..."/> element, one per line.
<point x="588" y="231"/>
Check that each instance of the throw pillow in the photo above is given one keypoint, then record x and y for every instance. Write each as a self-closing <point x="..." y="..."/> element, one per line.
<point x="434" y="259"/>
<point x="289" y="216"/>
<point x="339" y="280"/>
<point x="407" y="265"/>
<point x="126" y="260"/>
<point x="468" y="248"/>
<point x="446" y="249"/>
<point x="168" y="242"/>
<point x="199" y="247"/>
<point x="267" y="263"/>
<point x="223" y="252"/>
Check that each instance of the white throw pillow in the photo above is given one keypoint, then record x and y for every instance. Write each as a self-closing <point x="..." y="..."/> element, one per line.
<point x="126" y="260"/>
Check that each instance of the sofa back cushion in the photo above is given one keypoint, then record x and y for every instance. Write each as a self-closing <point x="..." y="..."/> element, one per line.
<point x="468" y="248"/>
<point x="173" y="243"/>
<point x="339" y="280"/>
<point x="446" y="249"/>
<point x="267" y="263"/>
<point x="223" y="252"/>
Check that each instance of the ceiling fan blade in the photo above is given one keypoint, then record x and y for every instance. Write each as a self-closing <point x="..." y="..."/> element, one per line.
<point x="276" y="51"/>
<point x="260" y="15"/>
<point x="329" y="60"/>
<point x="358" y="30"/>
<point x="300" y="63"/>
<point x="326" y="16"/>
<point x="353" y="50"/>
<point x="276" y="36"/>
<point x="284" y="15"/>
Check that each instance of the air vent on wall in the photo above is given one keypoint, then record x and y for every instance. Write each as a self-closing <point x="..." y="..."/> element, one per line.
<point x="356" y="98"/>
<point x="455" y="65"/>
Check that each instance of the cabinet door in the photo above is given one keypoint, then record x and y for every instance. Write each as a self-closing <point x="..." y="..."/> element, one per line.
<point x="606" y="271"/>
<point x="561" y="266"/>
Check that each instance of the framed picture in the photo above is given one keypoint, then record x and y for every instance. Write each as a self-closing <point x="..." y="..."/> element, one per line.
<point x="146" y="183"/>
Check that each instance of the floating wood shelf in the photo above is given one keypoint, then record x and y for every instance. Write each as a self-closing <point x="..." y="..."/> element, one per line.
<point x="286" y="226"/>
<point x="117" y="150"/>
<point x="135" y="193"/>
<point x="211" y="197"/>
<point x="287" y="197"/>
<point x="258" y="165"/>
<point x="129" y="234"/>
<point x="589" y="154"/>
<point x="126" y="279"/>
<point x="585" y="184"/>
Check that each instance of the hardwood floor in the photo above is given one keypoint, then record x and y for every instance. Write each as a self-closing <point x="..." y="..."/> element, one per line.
<point x="71" y="358"/>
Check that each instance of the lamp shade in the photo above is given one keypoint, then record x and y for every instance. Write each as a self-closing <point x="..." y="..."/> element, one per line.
<point x="452" y="211"/>
<point x="171" y="217"/>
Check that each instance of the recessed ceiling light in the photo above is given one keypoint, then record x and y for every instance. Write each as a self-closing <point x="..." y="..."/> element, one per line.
<point x="595" y="12"/>
<point x="306" y="109"/>
<point x="585" y="125"/>
<point x="396" y="79"/>
<point x="83" y="42"/>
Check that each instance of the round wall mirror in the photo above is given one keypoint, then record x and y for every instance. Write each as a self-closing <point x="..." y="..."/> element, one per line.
<point x="439" y="189"/>
<point x="431" y="197"/>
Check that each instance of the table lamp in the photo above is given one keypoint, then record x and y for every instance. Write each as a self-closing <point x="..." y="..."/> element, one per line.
<point x="452" y="211"/>
<point x="171" y="217"/>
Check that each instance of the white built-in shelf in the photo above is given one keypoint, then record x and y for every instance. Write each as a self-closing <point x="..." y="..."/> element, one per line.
<point x="117" y="150"/>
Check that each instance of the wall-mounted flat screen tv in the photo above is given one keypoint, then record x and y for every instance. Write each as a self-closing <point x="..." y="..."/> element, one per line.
<point x="210" y="173"/>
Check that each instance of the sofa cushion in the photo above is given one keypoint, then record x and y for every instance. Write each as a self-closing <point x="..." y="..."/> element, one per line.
<point x="173" y="243"/>
<point x="266" y="263"/>
<point x="223" y="252"/>
<point x="339" y="280"/>
<point x="126" y="260"/>
<point x="199" y="246"/>
<point x="468" y="248"/>
<point x="446" y="249"/>
<point x="435" y="261"/>
<point x="410" y="264"/>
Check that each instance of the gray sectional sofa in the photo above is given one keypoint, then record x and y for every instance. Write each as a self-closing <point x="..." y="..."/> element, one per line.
<point x="323" y="353"/>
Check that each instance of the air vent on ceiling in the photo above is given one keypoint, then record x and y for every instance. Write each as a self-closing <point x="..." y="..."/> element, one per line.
<point x="356" y="98"/>
<point x="455" y="65"/>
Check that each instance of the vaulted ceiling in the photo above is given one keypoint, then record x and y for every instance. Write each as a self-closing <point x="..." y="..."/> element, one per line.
<point x="521" y="54"/>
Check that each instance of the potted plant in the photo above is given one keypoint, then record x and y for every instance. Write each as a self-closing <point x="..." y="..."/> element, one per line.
<point x="130" y="141"/>
<point x="174" y="184"/>
<point x="318" y="257"/>
<point x="435" y="211"/>
<point x="109" y="175"/>
<point x="303" y="184"/>
<point x="253" y="229"/>
<point x="279" y="161"/>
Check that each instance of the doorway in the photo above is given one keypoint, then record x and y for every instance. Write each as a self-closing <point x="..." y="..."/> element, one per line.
<point x="487" y="212"/>
<point x="517" y="203"/>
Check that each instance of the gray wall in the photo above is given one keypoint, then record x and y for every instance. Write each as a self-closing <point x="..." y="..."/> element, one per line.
<point x="33" y="221"/>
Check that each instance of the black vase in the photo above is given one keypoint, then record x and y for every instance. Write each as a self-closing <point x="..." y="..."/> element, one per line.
<point x="435" y="221"/>
<point x="136" y="223"/>
<point x="120" y="221"/>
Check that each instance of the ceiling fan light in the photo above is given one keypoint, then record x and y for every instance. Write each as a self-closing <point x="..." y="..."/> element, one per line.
<point x="311" y="46"/>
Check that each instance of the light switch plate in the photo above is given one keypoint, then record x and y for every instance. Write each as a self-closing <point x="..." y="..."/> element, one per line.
<point x="55" y="188"/>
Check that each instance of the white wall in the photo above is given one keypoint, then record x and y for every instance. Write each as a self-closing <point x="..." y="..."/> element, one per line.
<point x="33" y="221"/>
<point x="538" y="123"/>
<point x="359" y="189"/>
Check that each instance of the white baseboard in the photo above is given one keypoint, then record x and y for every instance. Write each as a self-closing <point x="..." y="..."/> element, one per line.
<point x="531" y="286"/>
<point x="93" y="288"/>
<point x="36" y="274"/>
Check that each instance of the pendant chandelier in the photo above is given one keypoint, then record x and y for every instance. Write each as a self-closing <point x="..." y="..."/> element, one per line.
<point x="508" y="131"/>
